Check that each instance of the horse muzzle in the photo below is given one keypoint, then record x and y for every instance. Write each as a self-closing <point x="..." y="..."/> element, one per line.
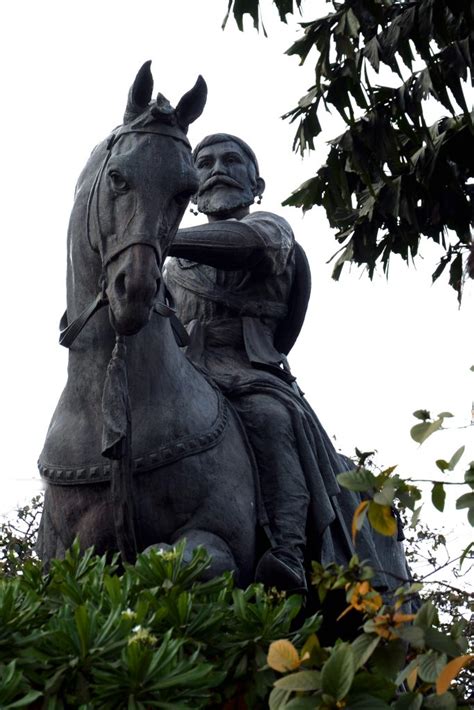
<point x="133" y="278"/>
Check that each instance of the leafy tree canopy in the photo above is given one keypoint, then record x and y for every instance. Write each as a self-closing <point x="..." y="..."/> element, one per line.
<point x="391" y="177"/>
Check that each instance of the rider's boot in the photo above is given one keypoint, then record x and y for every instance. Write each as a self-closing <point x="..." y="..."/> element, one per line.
<point x="279" y="567"/>
<point x="282" y="565"/>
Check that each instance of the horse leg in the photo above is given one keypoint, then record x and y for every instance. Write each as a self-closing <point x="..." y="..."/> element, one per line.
<point x="222" y="559"/>
<point x="49" y="544"/>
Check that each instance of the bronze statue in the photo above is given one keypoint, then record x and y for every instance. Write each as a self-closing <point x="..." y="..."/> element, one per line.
<point x="241" y="285"/>
<point x="177" y="461"/>
<point x="148" y="446"/>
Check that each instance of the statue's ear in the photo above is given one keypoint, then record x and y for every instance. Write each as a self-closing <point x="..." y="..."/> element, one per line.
<point x="192" y="104"/>
<point x="259" y="187"/>
<point x="140" y="93"/>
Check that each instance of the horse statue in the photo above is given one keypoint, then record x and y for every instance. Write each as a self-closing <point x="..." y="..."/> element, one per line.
<point x="142" y="450"/>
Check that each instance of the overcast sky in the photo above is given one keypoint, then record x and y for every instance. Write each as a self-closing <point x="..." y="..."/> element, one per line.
<point x="369" y="354"/>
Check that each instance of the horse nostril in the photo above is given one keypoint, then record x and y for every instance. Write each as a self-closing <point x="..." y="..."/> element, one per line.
<point x="120" y="285"/>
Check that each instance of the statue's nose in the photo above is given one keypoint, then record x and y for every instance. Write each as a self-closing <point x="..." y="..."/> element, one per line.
<point x="219" y="168"/>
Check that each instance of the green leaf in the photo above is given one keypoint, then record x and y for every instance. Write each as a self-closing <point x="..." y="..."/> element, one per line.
<point x="430" y="665"/>
<point x="426" y="616"/>
<point x="364" y="701"/>
<point x="455" y="274"/>
<point x="439" y="641"/>
<point x="465" y="501"/>
<point x="239" y="9"/>
<point x="363" y="647"/>
<point x="413" y="634"/>
<point x="381" y="518"/>
<point x="26" y="700"/>
<point x="415" y="517"/>
<point x="469" y="475"/>
<point x="373" y="684"/>
<point x="278" y="698"/>
<point x="408" y="701"/>
<point x="388" y="660"/>
<point x="456" y="457"/>
<point x="352" y="23"/>
<point x="438" y="496"/>
<point x="81" y="615"/>
<point x="360" y="479"/>
<point x="442" y="465"/>
<point x="338" y="672"/>
<point x="465" y="553"/>
<point x="407" y="671"/>
<point x="446" y="701"/>
<point x="422" y="414"/>
<point x="300" y="703"/>
<point x="300" y="681"/>
<point x="421" y="432"/>
<point x="386" y="495"/>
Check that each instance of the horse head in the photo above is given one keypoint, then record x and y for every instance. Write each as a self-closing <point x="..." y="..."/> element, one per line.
<point x="138" y="198"/>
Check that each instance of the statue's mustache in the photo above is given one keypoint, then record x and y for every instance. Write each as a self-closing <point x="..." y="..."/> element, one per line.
<point x="218" y="180"/>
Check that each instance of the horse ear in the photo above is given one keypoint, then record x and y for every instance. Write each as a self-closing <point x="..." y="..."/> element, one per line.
<point x="140" y="93"/>
<point x="192" y="104"/>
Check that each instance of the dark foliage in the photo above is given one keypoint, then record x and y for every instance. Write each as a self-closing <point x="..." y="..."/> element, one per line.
<point x="390" y="178"/>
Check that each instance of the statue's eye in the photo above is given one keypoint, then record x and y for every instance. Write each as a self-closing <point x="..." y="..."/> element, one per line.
<point x="118" y="181"/>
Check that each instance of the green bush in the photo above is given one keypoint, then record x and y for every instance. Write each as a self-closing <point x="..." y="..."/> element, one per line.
<point x="83" y="636"/>
<point x="89" y="635"/>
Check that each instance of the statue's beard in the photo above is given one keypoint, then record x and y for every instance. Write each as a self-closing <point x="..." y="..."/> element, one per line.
<point x="224" y="200"/>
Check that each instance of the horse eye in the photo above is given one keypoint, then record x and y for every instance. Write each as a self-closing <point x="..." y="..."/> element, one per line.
<point x="118" y="181"/>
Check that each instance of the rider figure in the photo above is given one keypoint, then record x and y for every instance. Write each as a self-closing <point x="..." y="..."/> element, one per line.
<point x="233" y="281"/>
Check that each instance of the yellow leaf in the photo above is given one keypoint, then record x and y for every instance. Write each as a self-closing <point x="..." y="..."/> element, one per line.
<point x="357" y="513"/>
<point x="372" y="603"/>
<point x="283" y="656"/>
<point x="450" y="672"/>
<point x="381" y="519"/>
<point x="346" y="611"/>
<point x="411" y="678"/>
<point x="381" y="626"/>
<point x="311" y="644"/>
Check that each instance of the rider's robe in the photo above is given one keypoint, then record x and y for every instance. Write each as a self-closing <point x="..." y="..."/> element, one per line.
<point x="232" y="281"/>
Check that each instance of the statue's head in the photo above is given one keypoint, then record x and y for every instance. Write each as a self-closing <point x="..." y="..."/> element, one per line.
<point x="228" y="173"/>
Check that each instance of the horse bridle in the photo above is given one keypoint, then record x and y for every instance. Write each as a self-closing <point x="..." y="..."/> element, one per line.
<point x="68" y="332"/>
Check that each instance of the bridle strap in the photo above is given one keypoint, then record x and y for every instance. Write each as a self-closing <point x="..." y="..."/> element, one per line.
<point x="132" y="239"/>
<point x="167" y="311"/>
<point x="69" y="332"/>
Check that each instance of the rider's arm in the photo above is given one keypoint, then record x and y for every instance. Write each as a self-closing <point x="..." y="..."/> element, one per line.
<point x="260" y="241"/>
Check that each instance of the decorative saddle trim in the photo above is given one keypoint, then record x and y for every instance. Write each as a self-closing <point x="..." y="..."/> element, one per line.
<point x="178" y="449"/>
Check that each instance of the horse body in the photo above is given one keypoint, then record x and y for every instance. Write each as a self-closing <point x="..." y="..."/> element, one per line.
<point x="193" y="475"/>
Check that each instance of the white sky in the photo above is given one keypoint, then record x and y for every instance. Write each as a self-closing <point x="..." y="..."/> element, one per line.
<point x="370" y="353"/>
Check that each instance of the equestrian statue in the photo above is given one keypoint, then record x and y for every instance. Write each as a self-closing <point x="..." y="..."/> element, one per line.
<point x="181" y="418"/>
<point x="142" y="448"/>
